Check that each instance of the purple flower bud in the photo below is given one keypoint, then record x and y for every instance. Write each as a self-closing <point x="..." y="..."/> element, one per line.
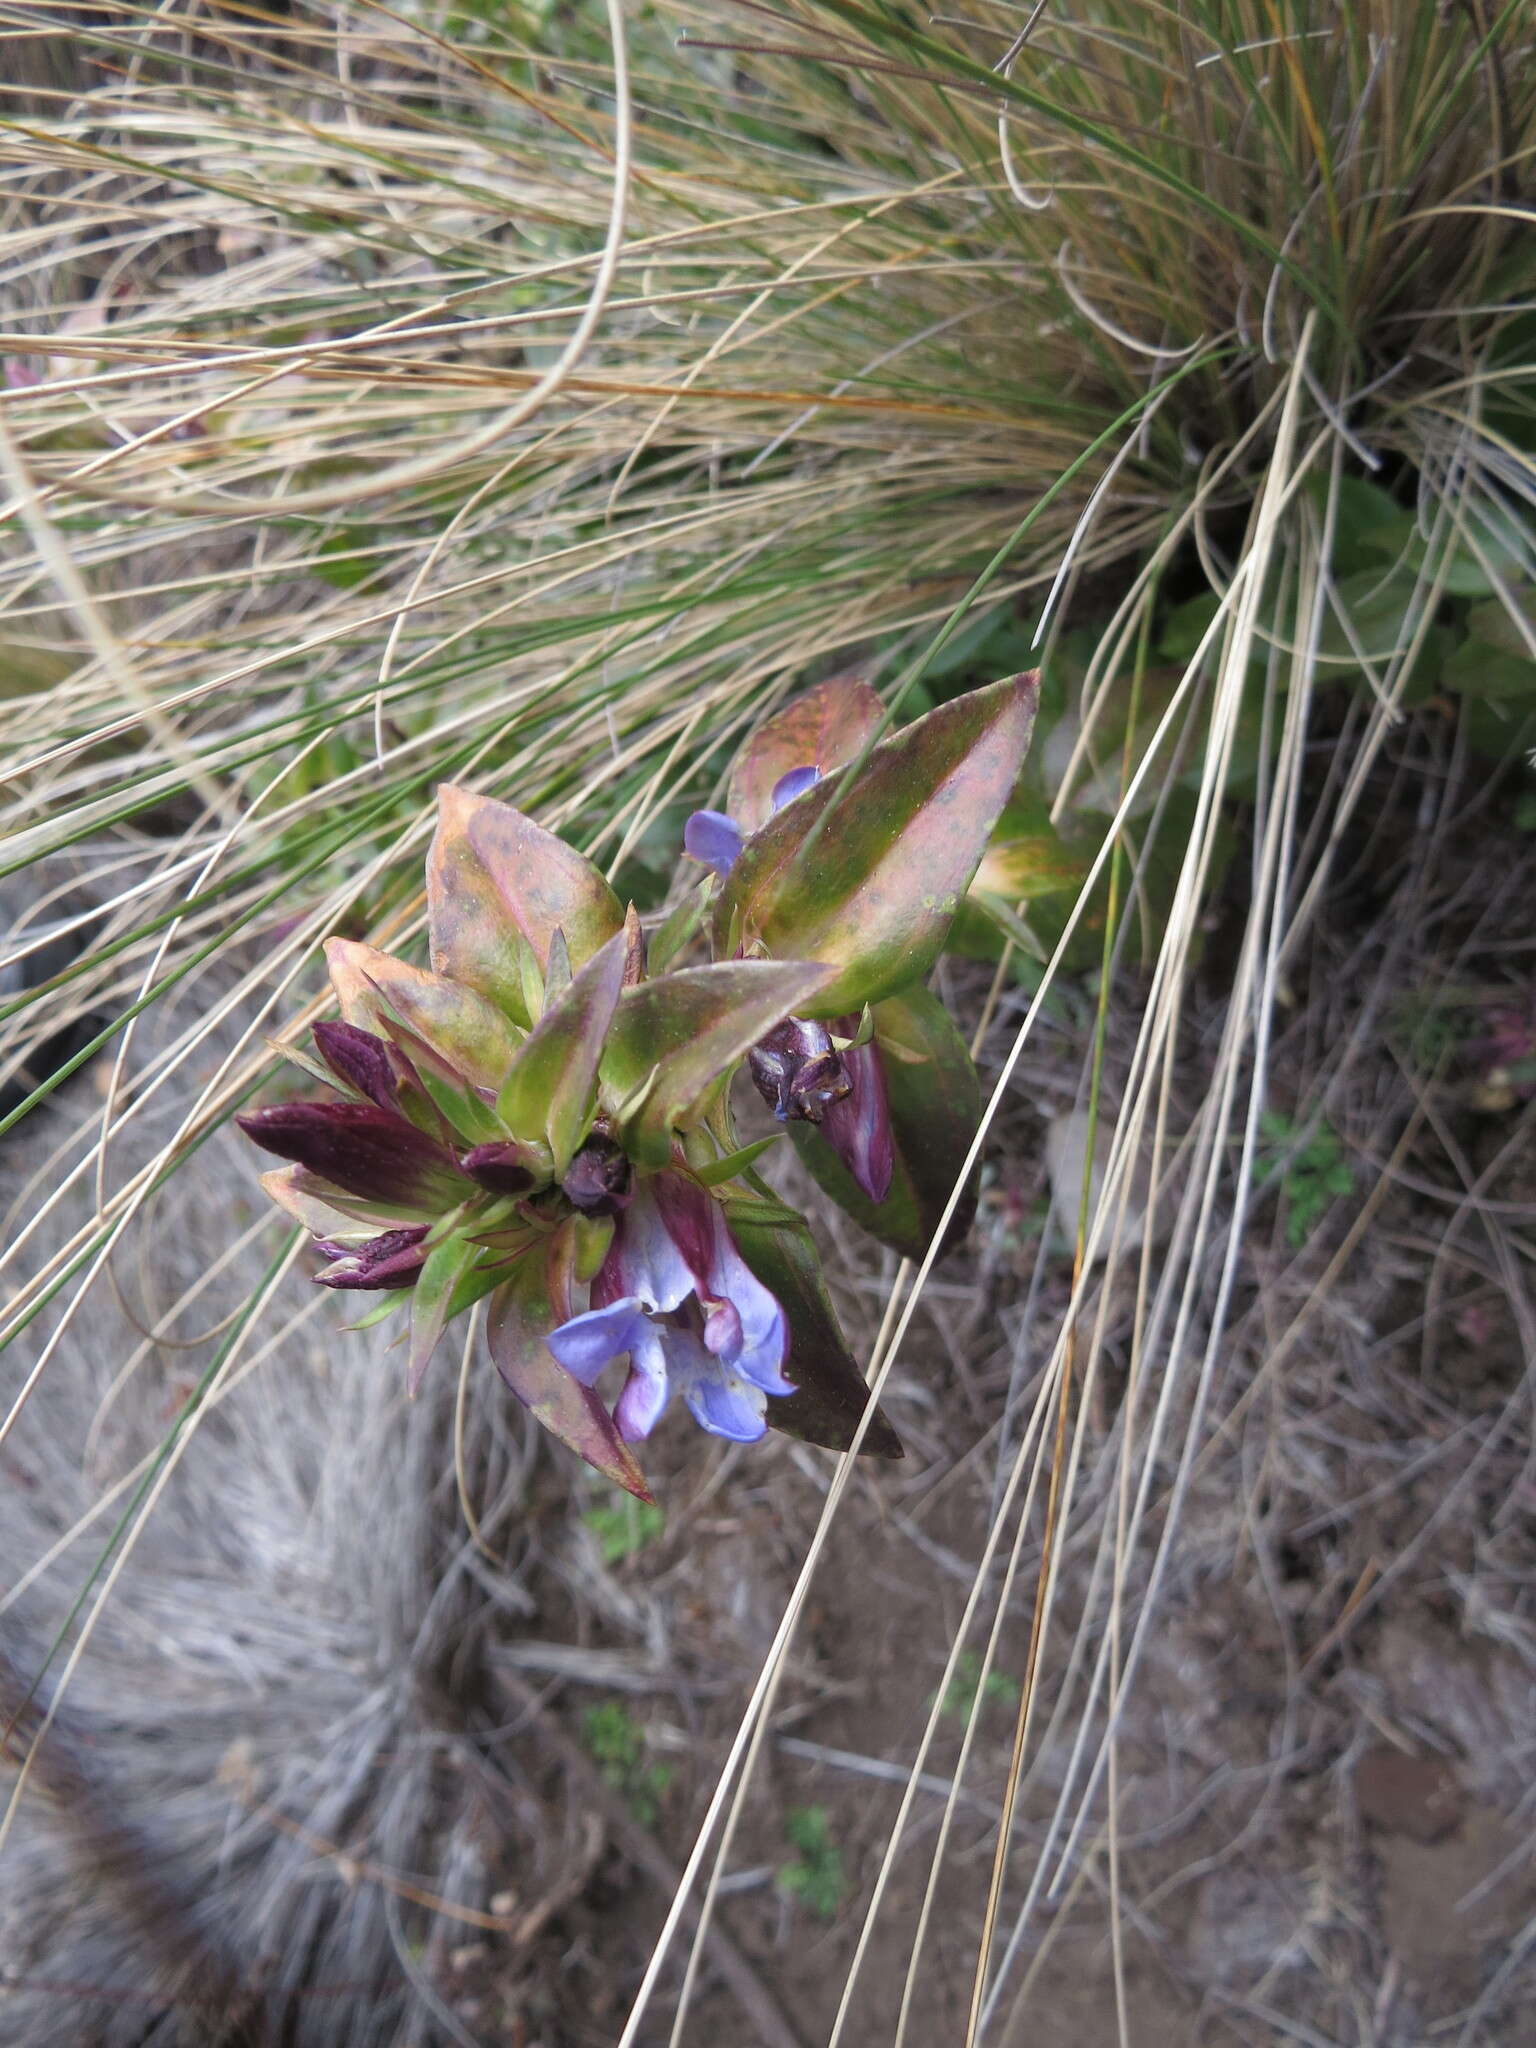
<point x="714" y="839"/>
<point x="393" y="1259"/>
<point x="502" y="1168"/>
<point x="857" y="1125"/>
<point x="798" y="1071"/>
<point x="364" y="1150"/>
<point x="794" y="784"/>
<point x="600" y="1180"/>
<point x="359" y="1060"/>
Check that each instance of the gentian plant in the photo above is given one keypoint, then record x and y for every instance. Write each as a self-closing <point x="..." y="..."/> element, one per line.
<point x="541" y="1118"/>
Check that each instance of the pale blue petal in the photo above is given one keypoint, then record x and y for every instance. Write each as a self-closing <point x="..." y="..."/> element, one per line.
<point x="723" y="1403"/>
<point x="794" y="784"/>
<point x="646" y="1259"/>
<point x="585" y="1344"/>
<point x="639" y="1407"/>
<point x="714" y="839"/>
<point x="764" y="1332"/>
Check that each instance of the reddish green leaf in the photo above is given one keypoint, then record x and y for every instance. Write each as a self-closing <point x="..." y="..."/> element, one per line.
<point x="297" y="1193"/>
<point x="447" y="1267"/>
<point x="935" y="1107"/>
<point x="683" y="1031"/>
<point x="497" y="882"/>
<point x="552" y="1086"/>
<point x="520" y="1317"/>
<point x="822" y="728"/>
<point x="470" y="1037"/>
<point x="875" y="892"/>
<point x="830" y="1394"/>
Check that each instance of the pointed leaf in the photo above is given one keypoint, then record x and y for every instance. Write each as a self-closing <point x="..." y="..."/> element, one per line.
<point x="551" y="1090"/>
<point x="471" y="1037"/>
<point x="822" y="728"/>
<point x="496" y="881"/>
<point x="520" y="1318"/>
<point x="293" y="1190"/>
<point x="715" y="1172"/>
<point x="447" y="1265"/>
<point x="683" y="1031"/>
<point x="876" y="891"/>
<point x="934" y="1102"/>
<point x="830" y="1394"/>
<point x="304" y="1194"/>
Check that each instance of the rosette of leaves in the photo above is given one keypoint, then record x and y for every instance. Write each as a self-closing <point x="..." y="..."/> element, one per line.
<point x="856" y="852"/>
<point x="535" y="1114"/>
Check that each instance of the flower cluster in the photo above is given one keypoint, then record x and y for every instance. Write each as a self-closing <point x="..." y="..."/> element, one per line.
<point x="542" y="1119"/>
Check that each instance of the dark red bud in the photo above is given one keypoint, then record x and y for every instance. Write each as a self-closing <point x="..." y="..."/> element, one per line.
<point x="358" y="1147"/>
<point x="393" y="1259"/>
<point x="360" y="1060"/>
<point x="501" y="1168"/>
<point x="600" y="1179"/>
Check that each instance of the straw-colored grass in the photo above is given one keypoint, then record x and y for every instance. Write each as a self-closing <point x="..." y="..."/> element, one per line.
<point x="532" y="396"/>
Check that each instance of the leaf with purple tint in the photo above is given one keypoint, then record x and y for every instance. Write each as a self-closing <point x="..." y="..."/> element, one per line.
<point x="933" y="1099"/>
<point x="551" y="1089"/>
<point x="893" y="853"/>
<point x="822" y="728"/>
<point x="519" y="1320"/>
<point x="681" y="1032"/>
<point x="421" y="1012"/>
<point x="447" y="1266"/>
<point x="830" y="1394"/>
<point x="497" y="883"/>
<point x="361" y="1149"/>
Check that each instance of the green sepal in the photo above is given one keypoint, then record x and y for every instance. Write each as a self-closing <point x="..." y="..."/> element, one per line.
<point x="551" y="1088"/>
<point x="679" y="926"/>
<point x="557" y="974"/>
<point x="830" y="1394"/>
<point x="678" y="1035"/>
<point x="934" y="1098"/>
<point x="381" y="1311"/>
<point x="524" y="1308"/>
<point x="895" y="845"/>
<point x="446" y="1266"/>
<point x="733" y="1164"/>
<point x="825" y="728"/>
<point x="591" y="1236"/>
<point x="468" y="1115"/>
<point x="316" y="1069"/>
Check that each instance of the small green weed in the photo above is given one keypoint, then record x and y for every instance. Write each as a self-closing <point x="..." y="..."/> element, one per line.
<point x="816" y="1877"/>
<point x="625" y="1527"/>
<point x="617" y="1745"/>
<point x="1310" y="1174"/>
<point x="961" y="1693"/>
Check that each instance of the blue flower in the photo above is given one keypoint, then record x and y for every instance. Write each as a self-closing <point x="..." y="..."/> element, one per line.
<point x="675" y="1295"/>
<point x="716" y="840"/>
